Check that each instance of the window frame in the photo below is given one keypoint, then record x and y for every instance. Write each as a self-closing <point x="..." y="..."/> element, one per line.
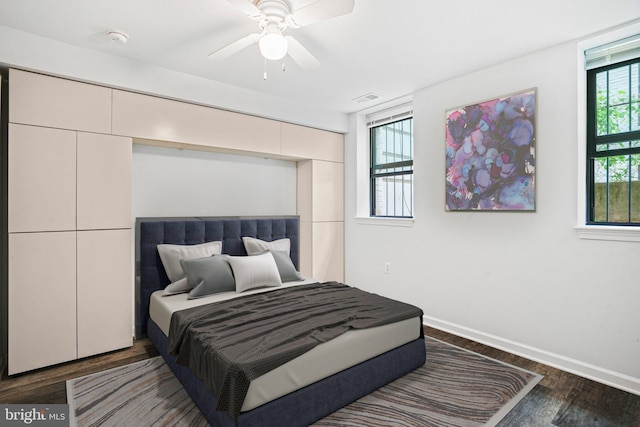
<point x="374" y="166"/>
<point x="584" y="231"/>
<point x="593" y="140"/>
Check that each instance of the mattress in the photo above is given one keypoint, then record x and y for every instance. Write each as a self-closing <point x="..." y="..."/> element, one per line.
<point x="354" y="346"/>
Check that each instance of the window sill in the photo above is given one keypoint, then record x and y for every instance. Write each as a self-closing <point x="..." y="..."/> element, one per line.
<point x="611" y="233"/>
<point x="386" y="221"/>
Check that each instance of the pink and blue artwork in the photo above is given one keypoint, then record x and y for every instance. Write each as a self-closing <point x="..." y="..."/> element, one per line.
<point x="491" y="155"/>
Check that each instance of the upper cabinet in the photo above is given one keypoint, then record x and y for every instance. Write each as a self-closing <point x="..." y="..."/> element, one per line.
<point x="46" y="101"/>
<point x="159" y="119"/>
<point x="40" y="100"/>
<point x="149" y="117"/>
<point x="308" y="143"/>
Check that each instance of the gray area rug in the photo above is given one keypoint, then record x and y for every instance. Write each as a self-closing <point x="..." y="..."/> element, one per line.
<point x="455" y="387"/>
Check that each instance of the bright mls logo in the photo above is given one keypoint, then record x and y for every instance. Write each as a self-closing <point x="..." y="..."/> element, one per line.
<point x="37" y="415"/>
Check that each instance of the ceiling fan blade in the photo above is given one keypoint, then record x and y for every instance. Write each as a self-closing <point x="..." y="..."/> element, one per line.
<point x="301" y="55"/>
<point x="236" y="46"/>
<point x="319" y="11"/>
<point x="247" y="7"/>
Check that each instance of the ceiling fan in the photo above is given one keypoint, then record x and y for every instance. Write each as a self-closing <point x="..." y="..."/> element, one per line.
<point x="274" y="17"/>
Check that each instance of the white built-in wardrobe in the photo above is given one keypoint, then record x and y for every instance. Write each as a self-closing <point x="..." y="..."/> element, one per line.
<point x="69" y="219"/>
<point x="70" y="279"/>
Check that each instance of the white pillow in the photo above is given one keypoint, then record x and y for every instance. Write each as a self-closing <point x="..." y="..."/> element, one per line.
<point x="172" y="254"/>
<point x="256" y="246"/>
<point x="255" y="271"/>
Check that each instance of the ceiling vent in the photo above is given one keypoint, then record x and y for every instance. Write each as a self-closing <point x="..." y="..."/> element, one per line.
<point x="366" y="98"/>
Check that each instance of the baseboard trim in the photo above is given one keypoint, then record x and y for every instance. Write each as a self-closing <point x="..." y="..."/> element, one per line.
<point x="602" y="375"/>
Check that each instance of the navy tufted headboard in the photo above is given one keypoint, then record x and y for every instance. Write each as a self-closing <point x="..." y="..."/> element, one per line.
<point x="151" y="232"/>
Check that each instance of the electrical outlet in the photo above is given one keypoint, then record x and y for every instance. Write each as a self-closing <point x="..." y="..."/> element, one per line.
<point x="387" y="267"/>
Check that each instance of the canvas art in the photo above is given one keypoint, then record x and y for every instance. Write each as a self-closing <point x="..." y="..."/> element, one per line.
<point x="491" y="155"/>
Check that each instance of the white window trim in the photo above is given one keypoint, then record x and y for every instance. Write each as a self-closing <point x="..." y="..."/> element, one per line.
<point x="385" y="221"/>
<point x="584" y="231"/>
<point x="363" y="165"/>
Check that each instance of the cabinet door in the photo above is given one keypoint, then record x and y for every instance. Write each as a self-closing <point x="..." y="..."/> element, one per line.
<point x="42" y="179"/>
<point x="321" y="210"/>
<point x="149" y="117"/>
<point x="42" y="299"/>
<point x="328" y="251"/>
<point x="47" y="101"/>
<point x="105" y="291"/>
<point x="328" y="191"/>
<point x="320" y="194"/>
<point x="308" y="143"/>
<point x="104" y="181"/>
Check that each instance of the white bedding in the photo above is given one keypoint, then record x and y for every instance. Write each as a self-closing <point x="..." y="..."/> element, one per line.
<point x="353" y="347"/>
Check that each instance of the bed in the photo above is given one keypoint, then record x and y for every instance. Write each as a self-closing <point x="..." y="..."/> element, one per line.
<point x="292" y="394"/>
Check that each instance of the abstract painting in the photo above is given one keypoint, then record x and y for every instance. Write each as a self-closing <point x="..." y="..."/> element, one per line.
<point x="491" y="155"/>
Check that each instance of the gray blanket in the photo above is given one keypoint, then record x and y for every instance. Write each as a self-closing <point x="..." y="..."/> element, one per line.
<point x="227" y="344"/>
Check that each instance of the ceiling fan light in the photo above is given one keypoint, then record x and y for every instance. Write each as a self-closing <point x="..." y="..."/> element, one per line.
<point x="273" y="45"/>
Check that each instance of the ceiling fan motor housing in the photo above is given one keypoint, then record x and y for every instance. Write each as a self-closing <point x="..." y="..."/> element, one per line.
<point x="274" y="12"/>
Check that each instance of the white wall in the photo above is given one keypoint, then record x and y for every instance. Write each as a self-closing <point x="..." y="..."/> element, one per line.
<point x="523" y="282"/>
<point x="173" y="182"/>
<point x="170" y="182"/>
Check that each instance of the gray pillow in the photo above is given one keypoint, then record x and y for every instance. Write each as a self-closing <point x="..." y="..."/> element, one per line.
<point x="209" y="275"/>
<point x="172" y="254"/>
<point x="287" y="270"/>
<point x="179" y="287"/>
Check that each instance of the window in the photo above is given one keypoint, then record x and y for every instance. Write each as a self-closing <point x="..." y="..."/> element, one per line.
<point x="613" y="138"/>
<point x="391" y="176"/>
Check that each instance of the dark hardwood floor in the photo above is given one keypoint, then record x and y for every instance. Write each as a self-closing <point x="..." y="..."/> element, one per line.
<point x="48" y="385"/>
<point x="560" y="399"/>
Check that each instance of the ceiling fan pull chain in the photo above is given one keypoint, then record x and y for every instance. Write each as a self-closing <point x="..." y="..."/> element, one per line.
<point x="264" y="77"/>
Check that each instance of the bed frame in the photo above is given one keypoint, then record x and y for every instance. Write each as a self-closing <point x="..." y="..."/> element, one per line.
<point x="299" y="408"/>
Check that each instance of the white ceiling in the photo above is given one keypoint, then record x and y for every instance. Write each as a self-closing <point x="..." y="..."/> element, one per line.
<point x="391" y="48"/>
